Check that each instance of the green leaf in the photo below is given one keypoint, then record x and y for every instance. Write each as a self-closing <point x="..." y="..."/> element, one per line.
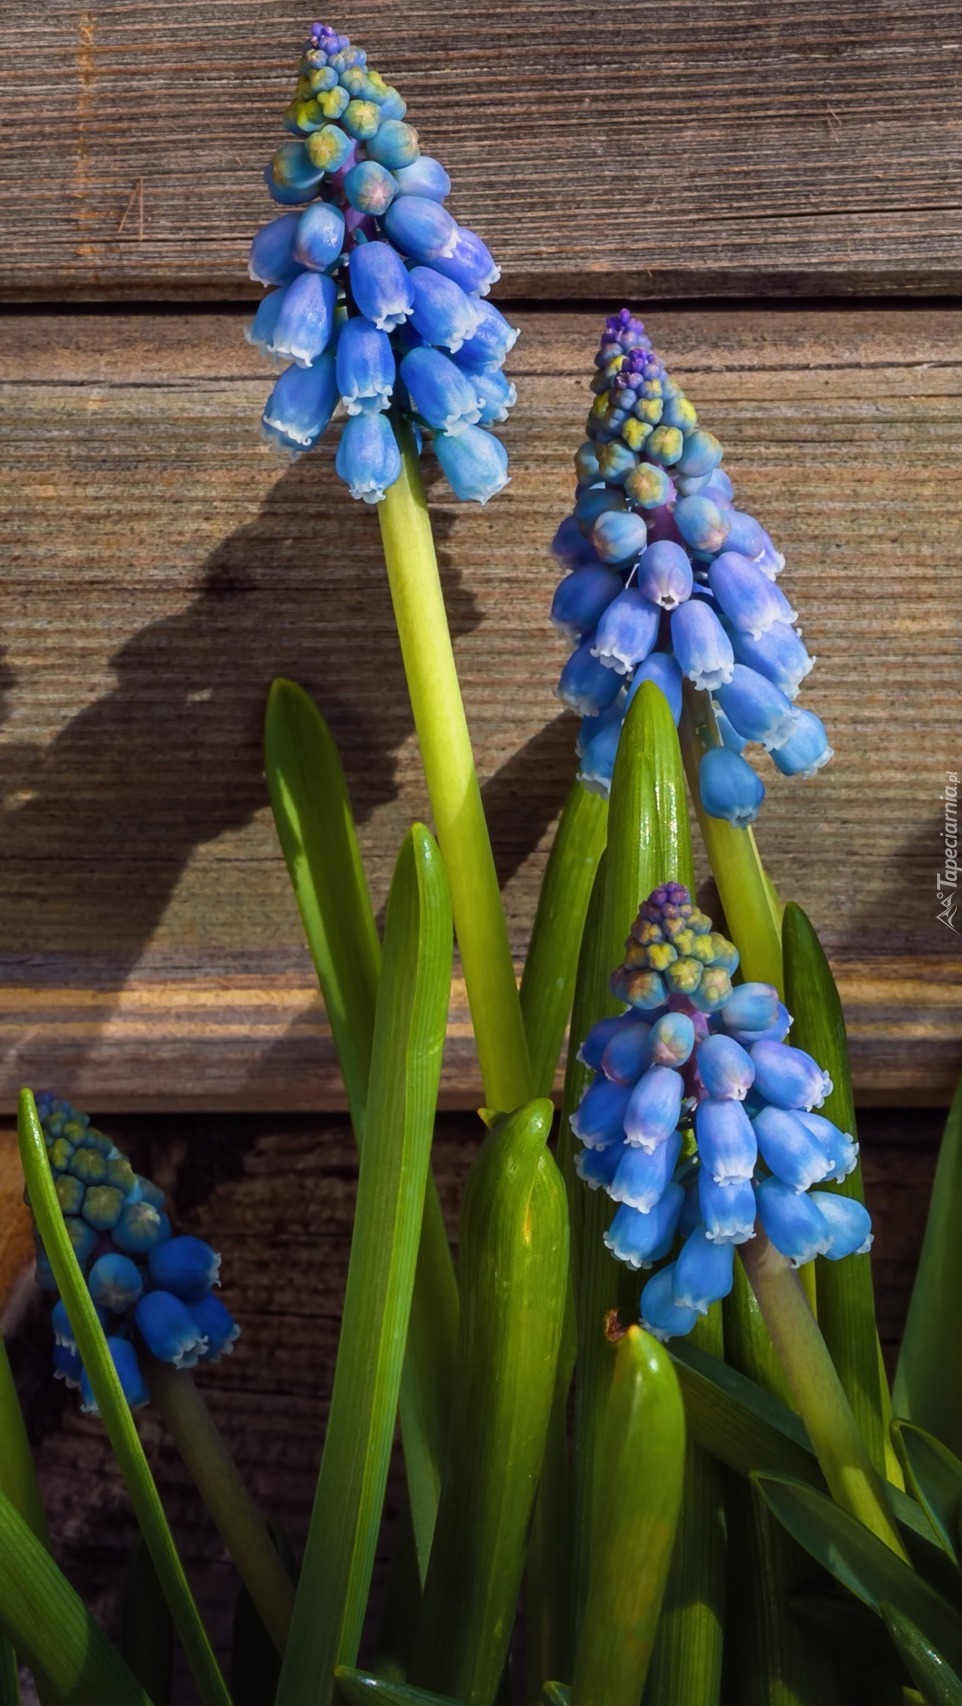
<point x="846" y="1297"/>
<point x="51" y="1628"/>
<point x="360" y="1688"/>
<point x="114" y="1410"/>
<point x="513" y="1268"/>
<point x="934" y="1477"/>
<point x="738" y="1421"/>
<point x="18" y="1477"/>
<point x="146" y="1630"/>
<point x="863" y="1564"/>
<point x="315" y="826"/>
<point x="255" y="1664"/>
<point x="640" y="1471"/>
<point x="928" y="1380"/>
<point x="556" y="1694"/>
<point x="936" y="1681"/>
<point x="405" y="1072"/>
<point x="548" y="980"/>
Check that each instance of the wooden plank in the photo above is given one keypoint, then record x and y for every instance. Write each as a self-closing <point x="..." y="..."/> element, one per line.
<point x="674" y="148"/>
<point x="276" y="1199"/>
<point x="162" y="566"/>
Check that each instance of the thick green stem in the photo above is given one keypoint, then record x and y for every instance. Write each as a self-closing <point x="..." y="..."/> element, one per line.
<point x="214" y="1473"/>
<point x="448" y="761"/>
<point x="819" y="1397"/>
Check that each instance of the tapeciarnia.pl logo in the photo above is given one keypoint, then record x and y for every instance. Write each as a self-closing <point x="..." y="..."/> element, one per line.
<point x="947" y="879"/>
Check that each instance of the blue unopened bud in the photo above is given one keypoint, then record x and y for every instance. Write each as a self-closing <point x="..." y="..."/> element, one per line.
<point x="102" y="1206"/>
<point x="599" y="1118"/>
<point x="216" y="1324"/>
<point x="618" y="535"/>
<point x="644" y="1175"/>
<point x="586" y="685"/>
<point x="330" y="149"/>
<point x="115" y="1282"/>
<point x="421" y="228"/>
<point x="492" y="339"/>
<point x="615" y="462"/>
<point x="495" y="393"/>
<point x="82" y="1236"/>
<point x="301" y="405"/>
<point x="748" y="598"/>
<point x="627" y="1055"/>
<point x="806" y="749"/>
<point x="780" y="655"/>
<point x="424" y="177"/>
<point x="752" y="1007"/>
<point x="361" y="119"/>
<point x="439" y="392"/>
<point x="701" y="646"/>
<point x="654" y="1108"/>
<point x="744" y="533"/>
<point x="475" y="463"/>
<point x="725" y="1068"/>
<point x="660" y="668"/>
<point x="320" y="236"/>
<point x="661" y="1314"/>
<point x="581" y="600"/>
<point x="370" y="188"/>
<point x="729" y="787"/>
<point x="381" y="285"/>
<point x="168" y="1329"/>
<point x="364" y="366"/>
<point x="368" y="459"/>
<point x="124" y="1359"/>
<point x="595" y="502"/>
<point x="305" y="320"/>
<point x="627" y="631"/>
<point x="292" y="176"/>
<point x="591" y="1052"/>
<point x="672" y="1039"/>
<point x="186" y="1266"/>
<point x="469" y="262"/>
<point x="789" y="1077"/>
<point x="790" y="1150"/>
<point x="641" y="1239"/>
<point x="663" y="574"/>
<point x="272" y="257"/>
<point x="849" y="1225"/>
<point x="701" y="454"/>
<point x="726" y="1141"/>
<point x="702" y="524"/>
<point x="704" y="1271"/>
<point x="139" y="1228"/>
<point x="728" y="1210"/>
<point x="395" y="145"/>
<point x="792" y="1221"/>
<point x="755" y="707"/>
<point x="840" y="1145"/>
<point x="649" y="486"/>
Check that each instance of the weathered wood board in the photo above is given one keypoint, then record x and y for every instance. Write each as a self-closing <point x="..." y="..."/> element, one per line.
<point x="679" y="149"/>
<point x="161" y="566"/>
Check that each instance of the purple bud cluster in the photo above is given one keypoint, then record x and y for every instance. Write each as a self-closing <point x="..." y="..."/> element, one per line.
<point x="666" y="580"/>
<point x="700" y="1120"/>
<point x="377" y="294"/>
<point x="152" y="1290"/>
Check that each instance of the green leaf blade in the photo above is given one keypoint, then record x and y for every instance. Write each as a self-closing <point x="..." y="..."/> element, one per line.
<point x="934" y="1477"/>
<point x="937" y="1682"/>
<point x="928" y="1379"/>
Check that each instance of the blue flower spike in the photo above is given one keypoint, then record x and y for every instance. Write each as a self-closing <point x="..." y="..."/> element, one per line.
<point x="377" y="294"/>
<point x="690" y="586"/>
<point x="152" y="1290"/>
<point x="699" y="1121"/>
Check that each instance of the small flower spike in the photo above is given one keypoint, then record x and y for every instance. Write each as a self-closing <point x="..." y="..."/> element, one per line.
<point x="665" y="580"/>
<point x="699" y="1120"/>
<point x="152" y="1290"/>
<point x="376" y="293"/>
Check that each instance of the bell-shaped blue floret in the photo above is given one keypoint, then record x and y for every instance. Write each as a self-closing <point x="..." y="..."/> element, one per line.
<point x="641" y="1239"/>
<point x="663" y="573"/>
<point x="726" y="1141"/>
<point x="469" y="263"/>
<point x="728" y="786"/>
<point x="727" y="1210"/>
<point x="747" y="597"/>
<point x="840" y="1146"/>
<point x="618" y="535"/>
<point x="186" y="1266"/>
<point x="704" y="1272"/>
<point x="702" y="524"/>
<point x="661" y="1314"/>
<point x="654" y="1109"/>
<point x="421" y="228"/>
<point x="592" y="1050"/>
<point x="672" y="1040"/>
<point x="849" y="1225"/>
<point x="272" y="257"/>
<point x="792" y="1221"/>
<point x="626" y="632"/>
<point x="368" y="459"/>
<point x="115" y="1282"/>
<point x="364" y="366"/>
<point x="370" y="188"/>
<point x="790" y="1150"/>
<point x="644" y="1175"/>
<point x="725" y="1068"/>
<point x="701" y="646"/>
<point x="439" y="392"/>
<point x="598" y="752"/>
<point x="597" y="1167"/>
<point x="301" y="405"/>
<point x="581" y="599"/>
<point x="475" y="463"/>
<point x="169" y="1330"/>
<point x="806" y="749"/>
<point x="381" y="285"/>
<point x="586" y="686"/>
<point x="744" y="533"/>
<point x="496" y="394"/>
<point x="320" y="236"/>
<point x="260" y="332"/>
<point x="216" y="1324"/>
<point x="444" y="314"/>
<point x="627" y="1055"/>
<point x="491" y="340"/>
<point x="124" y="1358"/>
<point x="661" y="669"/>
<point x="599" y="1118"/>
<point x="779" y="655"/>
<point x="756" y="708"/>
<point x="789" y="1077"/>
<point x="67" y="1365"/>
<point x="424" y="177"/>
<point x="305" y="321"/>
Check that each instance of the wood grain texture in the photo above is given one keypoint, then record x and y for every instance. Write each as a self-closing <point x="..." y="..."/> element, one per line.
<point x="671" y="147"/>
<point x="162" y="566"/>
<point x="276" y="1198"/>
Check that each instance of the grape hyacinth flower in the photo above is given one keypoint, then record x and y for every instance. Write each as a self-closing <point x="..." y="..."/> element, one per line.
<point x="151" y="1289"/>
<point x="666" y="580"/>
<point x="701" y="1122"/>
<point x="377" y="294"/>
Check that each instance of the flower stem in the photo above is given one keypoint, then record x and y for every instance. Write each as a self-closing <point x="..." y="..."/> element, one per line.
<point x="448" y="761"/>
<point x="224" y="1492"/>
<point x="819" y="1397"/>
